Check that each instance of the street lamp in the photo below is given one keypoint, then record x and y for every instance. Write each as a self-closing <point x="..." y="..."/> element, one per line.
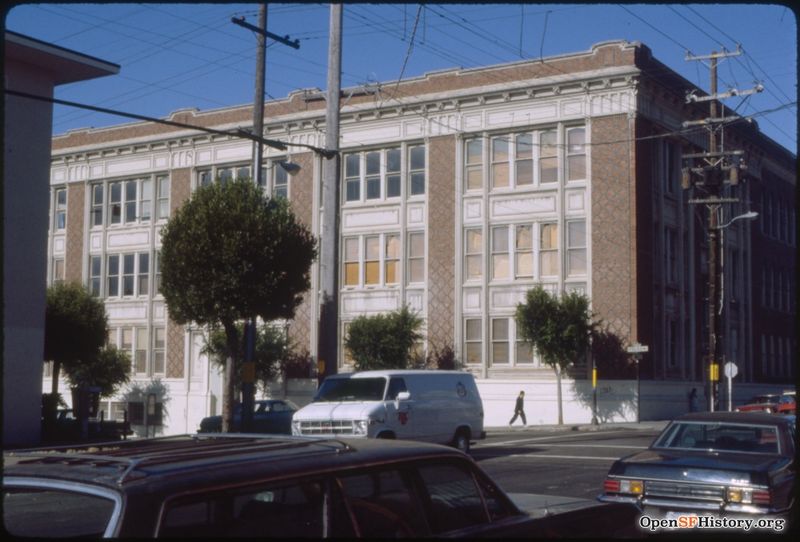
<point x="715" y="277"/>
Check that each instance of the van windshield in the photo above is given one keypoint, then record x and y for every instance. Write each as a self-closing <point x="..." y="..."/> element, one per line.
<point x="351" y="389"/>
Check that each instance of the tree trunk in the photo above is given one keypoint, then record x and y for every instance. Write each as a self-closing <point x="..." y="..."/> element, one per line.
<point x="229" y="385"/>
<point x="56" y="370"/>
<point x="557" y="369"/>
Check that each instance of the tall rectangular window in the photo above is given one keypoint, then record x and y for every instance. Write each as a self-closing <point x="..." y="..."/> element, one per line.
<point x="159" y="343"/>
<point x="391" y="258"/>
<point x="95" y="275"/>
<point x="128" y="273"/>
<point x="58" y="270"/>
<point x="61" y="209"/>
<point x="474" y="166"/>
<point x="115" y="202"/>
<point x="157" y="272"/>
<point x="373" y="174"/>
<point x="524" y="352"/>
<point x="140" y="356"/>
<point x="499" y="341"/>
<point x="523" y="251"/>
<point x="130" y="201"/>
<point x="671" y="255"/>
<point x="576" y="154"/>
<point x="280" y="184"/>
<point x="127" y="343"/>
<point x="500" y="254"/>
<point x="97" y="204"/>
<point x="416" y="257"/>
<point x="548" y="250"/>
<point x="473" y="254"/>
<point x="112" y="270"/>
<point x="576" y="247"/>
<point x="500" y="173"/>
<point x="393" y="163"/>
<point x="143" y="277"/>
<point x="162" y="208"/>
<point x="416" y="170"/>
<point x="352" y="270"/>
<point x="146" y="200"/>
<point x="548" y="157"/>
<point x="204" y="177"/>
<point x="473" y="341"/>
<point x="352" y="177"/>
<point x="372" y="260"/>
<point x="524" y="159"/>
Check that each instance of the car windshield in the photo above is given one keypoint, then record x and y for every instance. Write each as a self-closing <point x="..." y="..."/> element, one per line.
<point x="54" y="513"/>
<point x="351" y="389"/>
<point x="726" y="437"/>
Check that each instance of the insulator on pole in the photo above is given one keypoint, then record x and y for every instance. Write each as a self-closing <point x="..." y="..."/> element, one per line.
<point x="686" y="177"/>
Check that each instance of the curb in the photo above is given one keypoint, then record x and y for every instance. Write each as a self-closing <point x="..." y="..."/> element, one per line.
<point x="633" y="426"/>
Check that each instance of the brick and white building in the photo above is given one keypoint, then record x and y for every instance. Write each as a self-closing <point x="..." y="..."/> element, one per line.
<point x="460" y="189"/>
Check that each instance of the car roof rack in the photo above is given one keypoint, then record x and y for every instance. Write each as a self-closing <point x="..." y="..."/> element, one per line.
<point x="133" y="456"/>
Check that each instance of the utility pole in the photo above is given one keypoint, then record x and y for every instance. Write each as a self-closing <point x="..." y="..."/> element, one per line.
<point x="248" y="368"/>
<point x="327" y="359"/>
<point x="709" y="178"/>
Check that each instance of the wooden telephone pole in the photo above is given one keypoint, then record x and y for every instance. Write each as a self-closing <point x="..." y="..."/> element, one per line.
<point x="718" y="168"/>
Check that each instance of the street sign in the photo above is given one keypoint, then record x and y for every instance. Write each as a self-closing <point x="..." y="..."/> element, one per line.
<point x="637" y="349"/>
<point x="731" y="370"/>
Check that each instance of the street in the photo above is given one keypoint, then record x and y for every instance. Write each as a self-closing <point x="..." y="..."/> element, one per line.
<point x="558" y="462"/>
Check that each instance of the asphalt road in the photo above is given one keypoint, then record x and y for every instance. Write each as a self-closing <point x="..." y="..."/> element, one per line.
<point x="560" y="462"/>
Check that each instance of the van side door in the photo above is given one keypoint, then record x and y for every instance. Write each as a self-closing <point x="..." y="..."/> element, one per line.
<point x="401" y="416"/>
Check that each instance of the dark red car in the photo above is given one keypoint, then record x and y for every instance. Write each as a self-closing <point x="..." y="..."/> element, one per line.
<point x="770" y="403"/>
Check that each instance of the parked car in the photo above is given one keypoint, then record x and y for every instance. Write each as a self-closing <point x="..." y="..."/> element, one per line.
<point x="443" y="407"/>
<point x="771" y="402"/>
<point x="66" y="427"/>
<point x="269" y="416"/>
<point x="711" y="462"/>
<point x="273" y="486"/>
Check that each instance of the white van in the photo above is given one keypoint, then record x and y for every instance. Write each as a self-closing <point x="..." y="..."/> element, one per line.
<point x="435" y="406"/>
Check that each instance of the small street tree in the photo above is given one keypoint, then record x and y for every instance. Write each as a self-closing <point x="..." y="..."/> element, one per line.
<point x="270" y="349"/>
<point x="107" y="369"/>
<point x="383" y="341"/>
<point x="231" y="254"/>
<point x="76" y="327"/>
<point x="558" y="327"/>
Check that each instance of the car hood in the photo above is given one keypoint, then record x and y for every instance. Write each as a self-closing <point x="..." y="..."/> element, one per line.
<point x="700" y="466"/>
<point x="347" y="410"/>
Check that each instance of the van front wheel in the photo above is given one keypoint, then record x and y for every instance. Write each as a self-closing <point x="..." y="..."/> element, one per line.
<point x="461" y="440"/>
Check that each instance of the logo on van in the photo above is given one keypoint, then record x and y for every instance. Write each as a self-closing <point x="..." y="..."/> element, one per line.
<point x="461" y="390"/>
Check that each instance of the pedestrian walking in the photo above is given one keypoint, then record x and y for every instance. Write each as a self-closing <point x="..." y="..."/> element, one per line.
<point x="693" y="400"/>
<point x="519" y="409"/>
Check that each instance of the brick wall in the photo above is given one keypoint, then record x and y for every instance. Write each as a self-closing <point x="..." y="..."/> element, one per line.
<point x="73" y="270"/>
<point x="613" y="227"/>
<point x="441" y="241"/>
<point x="301" y="193"/>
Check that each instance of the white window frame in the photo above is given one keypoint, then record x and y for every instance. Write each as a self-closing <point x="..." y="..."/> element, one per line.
<point x="60" y="209"/>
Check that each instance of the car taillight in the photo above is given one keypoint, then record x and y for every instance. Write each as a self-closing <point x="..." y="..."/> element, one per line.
<point x="611" y="486"/>
<point x="635" y="487"/>
<point x="762" y="496"/>
<point x="747" y="495"/>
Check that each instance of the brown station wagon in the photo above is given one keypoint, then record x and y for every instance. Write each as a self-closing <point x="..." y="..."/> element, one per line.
<point x="271" y="486"/>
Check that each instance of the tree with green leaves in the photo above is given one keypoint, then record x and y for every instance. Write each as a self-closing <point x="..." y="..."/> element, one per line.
<point x="107" y="369"/>
<point x="270" y="349"/>
<point x="75" y="329"/>
<point x="383" y="341"/>
<point x="557" y="327"/>
<point x="231" y="254"/>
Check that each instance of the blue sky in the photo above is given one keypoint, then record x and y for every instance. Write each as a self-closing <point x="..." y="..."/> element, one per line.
<point x="176" y="56"/>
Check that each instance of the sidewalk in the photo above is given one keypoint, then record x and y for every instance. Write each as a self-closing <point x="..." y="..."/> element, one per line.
<point x="656" y="425"/>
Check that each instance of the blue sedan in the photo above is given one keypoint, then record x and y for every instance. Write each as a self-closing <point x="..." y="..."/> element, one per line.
<point x="711" y="463"/>
<point x="269" y="416"/>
